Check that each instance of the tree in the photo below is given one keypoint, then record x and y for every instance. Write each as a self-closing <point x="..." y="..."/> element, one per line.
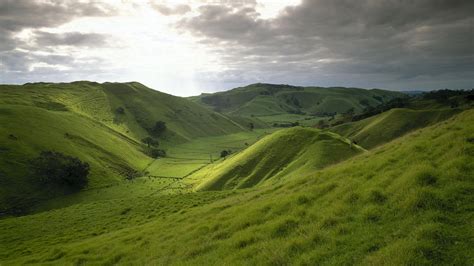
<point x="149" y="141"/>
<point x="158" y="129"/>
<point x="157" y="153"/>
<point x="58" y="169"/>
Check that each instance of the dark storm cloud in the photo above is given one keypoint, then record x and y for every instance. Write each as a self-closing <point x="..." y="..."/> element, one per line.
<point x="342" y="39"/>
<point x="17" y="15"/>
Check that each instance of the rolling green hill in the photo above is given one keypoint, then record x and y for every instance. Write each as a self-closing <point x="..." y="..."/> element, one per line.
<point x="82" y="119"/>
<point x="408" y="202"/>
<point x="392" y="124"/>
<point x="269" y="99"/>
<point x="281" y="155"/>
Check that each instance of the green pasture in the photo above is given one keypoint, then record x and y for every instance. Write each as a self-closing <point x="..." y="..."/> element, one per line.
<point x="408" y="202"/>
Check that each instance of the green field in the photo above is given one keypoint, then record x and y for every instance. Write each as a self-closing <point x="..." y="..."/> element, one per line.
<point x="420" y="206"/>
<point x="401" y="194"/>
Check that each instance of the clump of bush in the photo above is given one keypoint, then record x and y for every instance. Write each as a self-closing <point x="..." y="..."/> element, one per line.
<point x="54" y="168"/>
<point x="150" y="142"/>
<point x="152" y="148"/>
<point x="157" y="153"/>
<point x="225" y="153"/>
<point x="158" y="129"/>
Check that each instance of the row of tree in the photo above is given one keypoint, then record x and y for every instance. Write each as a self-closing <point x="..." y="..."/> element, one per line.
<point x="152" y="143"/>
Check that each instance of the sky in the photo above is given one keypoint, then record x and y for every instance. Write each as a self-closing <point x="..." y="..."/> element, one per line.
<point x="186" y="47"/>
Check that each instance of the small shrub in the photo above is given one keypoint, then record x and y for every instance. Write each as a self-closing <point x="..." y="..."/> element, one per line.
<point x="59" y="169"/>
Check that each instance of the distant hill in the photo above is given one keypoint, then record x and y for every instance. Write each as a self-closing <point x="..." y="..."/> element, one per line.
<point x="101" y="124"/>
<point x="392" y="120"/>
<point x="281" y="155"/>
<point x="270" y="99"/>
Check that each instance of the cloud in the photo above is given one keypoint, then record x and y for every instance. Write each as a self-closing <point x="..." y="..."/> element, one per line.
<point x="43" y="38"/>
<point x="17" y="56"/>
<point x="19" y="14"/>
<point x="170" y="10"/>
<point x="342" y="42"/>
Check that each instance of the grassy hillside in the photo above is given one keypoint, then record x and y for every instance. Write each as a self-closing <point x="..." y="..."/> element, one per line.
<point x="81" y="119"/>
<point x="407" y="202"/>
<point x="281" y="155"/>
<point x="268" y="99"/>
<point x="392" y="124"/>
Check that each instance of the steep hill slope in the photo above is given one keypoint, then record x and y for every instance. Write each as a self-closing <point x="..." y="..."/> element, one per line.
<point x="405" y="203"/>
<point x="281" y="155"/>
<point x="81" y="119"/>
<point x="269" y="99"/>
<point x="392" y="124"/>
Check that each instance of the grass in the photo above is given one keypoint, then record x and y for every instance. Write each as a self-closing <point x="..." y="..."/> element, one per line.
<point x="285" y="119"/>
<point x="279" y="156"/>
<point x="80" y="119"/>
<point x="406" y="202"/>
<point x="262" y="100"/>
<point x="304" y="196"/>
<point x="110" y="154"/>
<point x="185" y="158"/>
<point x="382" y="128"/>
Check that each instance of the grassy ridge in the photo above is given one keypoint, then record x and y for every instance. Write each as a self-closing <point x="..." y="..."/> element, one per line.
<point x="286" y="153"/>
<point x="110" y="154"/>
<point x="392" y="124"/>
<point x="407" y="202"/>
<point x="269" y="99"/>
<point x="80" y="119"/>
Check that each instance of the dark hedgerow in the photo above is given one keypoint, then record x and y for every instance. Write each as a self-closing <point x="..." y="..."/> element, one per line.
<point x="54" y="168"/>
